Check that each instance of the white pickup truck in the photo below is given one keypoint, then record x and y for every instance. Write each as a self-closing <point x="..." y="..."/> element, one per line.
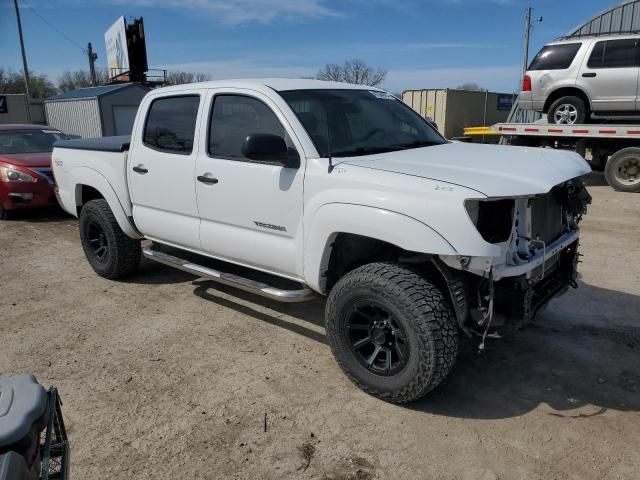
<point x="297" y="188"/>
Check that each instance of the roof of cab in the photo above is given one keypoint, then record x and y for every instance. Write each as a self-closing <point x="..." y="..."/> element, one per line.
<point x="278" y="84"/>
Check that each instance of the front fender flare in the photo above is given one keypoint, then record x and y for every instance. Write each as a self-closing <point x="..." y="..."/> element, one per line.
<point x="389" y="226"/>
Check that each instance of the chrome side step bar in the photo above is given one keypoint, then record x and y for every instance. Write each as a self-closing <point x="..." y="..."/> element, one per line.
<point x="230" y="279"/>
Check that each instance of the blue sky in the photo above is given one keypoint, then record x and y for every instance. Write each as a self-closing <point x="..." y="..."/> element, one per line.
<point x="422" y="43"/>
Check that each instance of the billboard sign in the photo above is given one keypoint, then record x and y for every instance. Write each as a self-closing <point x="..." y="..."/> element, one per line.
<point x="117" y="53"/>
<point x="505" y="102"/>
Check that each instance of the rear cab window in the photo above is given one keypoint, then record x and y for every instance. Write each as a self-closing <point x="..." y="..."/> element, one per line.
<point x="555" y="57"/>
<point x="171" y="124"/>
<point x="614" y="54"/>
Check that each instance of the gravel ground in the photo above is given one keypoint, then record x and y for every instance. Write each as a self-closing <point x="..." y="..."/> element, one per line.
<point x="169" y="376"/>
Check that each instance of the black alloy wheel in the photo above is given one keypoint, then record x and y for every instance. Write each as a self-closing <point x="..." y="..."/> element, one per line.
<point x="98" y="243"/>
<point x="377" y="339"/>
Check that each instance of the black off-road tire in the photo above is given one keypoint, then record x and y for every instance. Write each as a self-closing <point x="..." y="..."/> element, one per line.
<point x="122" y="253"/>
<point x="619" y="168"/>
<point x="578" y="104"/>
<point x="415" y="304"/>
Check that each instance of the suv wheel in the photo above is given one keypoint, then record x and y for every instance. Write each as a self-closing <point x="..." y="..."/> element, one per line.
<point x="391" y="331"/>
<point x="622" y="171"/>
<point x="567" y="111"/>
<point x="110" y="252"/>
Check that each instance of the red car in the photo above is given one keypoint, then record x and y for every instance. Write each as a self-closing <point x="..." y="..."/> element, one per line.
<point x="26" y="179"/>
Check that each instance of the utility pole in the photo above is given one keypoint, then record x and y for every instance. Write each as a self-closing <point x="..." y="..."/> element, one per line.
<point x="527" y="32"/>
<point x="24" y="55"/>
<point x="92" y="64"/>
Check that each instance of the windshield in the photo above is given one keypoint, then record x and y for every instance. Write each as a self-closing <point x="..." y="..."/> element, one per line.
<point x="28" y="141"/>
<point x="359" y="122"/>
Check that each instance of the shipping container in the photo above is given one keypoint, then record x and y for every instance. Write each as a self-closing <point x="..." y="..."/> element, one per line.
<point x="96" y="111"/>
<point x="454" y="109"/>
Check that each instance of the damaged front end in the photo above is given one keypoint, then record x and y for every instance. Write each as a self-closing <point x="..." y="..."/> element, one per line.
<point x="537" y="237"/>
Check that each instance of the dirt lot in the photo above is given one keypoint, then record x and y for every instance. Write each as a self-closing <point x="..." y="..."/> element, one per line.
<point x="168" y="376"/>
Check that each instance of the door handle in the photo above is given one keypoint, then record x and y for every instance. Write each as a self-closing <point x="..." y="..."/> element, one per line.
<point x="209" y="180"/>
<point x="589" y="75"/>
<point x="140" y="169"/>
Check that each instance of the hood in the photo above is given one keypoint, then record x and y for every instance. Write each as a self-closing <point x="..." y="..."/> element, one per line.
<point x="492" y="170"/>
<point x="28" y="160"/>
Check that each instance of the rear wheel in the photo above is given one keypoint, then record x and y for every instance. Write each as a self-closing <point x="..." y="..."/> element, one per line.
<point x="391" y="331"/>
<point x="567" y="111"/>
<point x="111" y="253"/>
<point x="622" y="170"/>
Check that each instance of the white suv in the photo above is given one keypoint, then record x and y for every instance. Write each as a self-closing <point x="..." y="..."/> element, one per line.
<point x="574" y="80"/>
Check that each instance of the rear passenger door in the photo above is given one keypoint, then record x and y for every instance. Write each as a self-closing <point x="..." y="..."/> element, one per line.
<point x="161" y="169"/>
<point x="610" y="76"/>
<point x="252" y="214"/>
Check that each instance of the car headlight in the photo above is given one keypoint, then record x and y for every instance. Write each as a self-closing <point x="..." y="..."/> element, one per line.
<point x="493" y="218"/>
<point x="12" y="175"/>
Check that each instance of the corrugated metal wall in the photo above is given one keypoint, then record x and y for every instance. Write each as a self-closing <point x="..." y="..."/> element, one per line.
<point x="75" y="117"/>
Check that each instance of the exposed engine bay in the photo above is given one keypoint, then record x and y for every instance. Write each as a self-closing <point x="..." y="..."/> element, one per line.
<point x="538" y="241"/>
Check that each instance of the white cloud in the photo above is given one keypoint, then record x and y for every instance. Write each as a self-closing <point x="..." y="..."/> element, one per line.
<point x="244" y="11"/>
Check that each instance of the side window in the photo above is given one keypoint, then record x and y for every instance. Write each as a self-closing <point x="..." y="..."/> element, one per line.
<point x="171" y="123"/>
<point x="614" y="54"/>
<point x="233" y="117"/>
<point x="555" y="57"/>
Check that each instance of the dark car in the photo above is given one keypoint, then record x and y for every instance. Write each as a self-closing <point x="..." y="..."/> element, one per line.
<point x="26" y="178"/>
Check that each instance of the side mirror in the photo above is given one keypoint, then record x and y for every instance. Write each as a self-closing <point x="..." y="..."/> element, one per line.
<point x="265" y="147"/>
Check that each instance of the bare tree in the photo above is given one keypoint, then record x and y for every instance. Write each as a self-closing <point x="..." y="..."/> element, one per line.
<point x="13" y="82"/>
<point x="72" y="80"/>
<point x="470" y="86"/>
<point x="353" y="71"/>
<point x="179" y="78"/>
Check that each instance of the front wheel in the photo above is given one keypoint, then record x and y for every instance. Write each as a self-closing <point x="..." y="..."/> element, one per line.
<point x="567" y="111"/>
<point x="622" y="171"/>
<point x="108" y="249"/>
<point x="391" y="331"/>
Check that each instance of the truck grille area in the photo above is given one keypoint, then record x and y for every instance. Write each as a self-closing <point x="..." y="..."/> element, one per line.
<point x="547" y="215"/>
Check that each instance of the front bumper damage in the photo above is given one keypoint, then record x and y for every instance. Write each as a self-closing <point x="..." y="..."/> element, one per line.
<point x="538" y="261"/>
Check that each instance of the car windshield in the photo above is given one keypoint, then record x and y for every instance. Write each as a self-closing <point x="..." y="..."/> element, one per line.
<point x="28" y="141"/>
<point x="351" y="122"/>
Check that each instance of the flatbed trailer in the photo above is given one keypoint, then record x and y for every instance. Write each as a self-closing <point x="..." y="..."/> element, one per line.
<point x="614" y="149"/>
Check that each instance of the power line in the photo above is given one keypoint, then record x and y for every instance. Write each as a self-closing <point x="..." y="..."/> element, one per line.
<point x="53" y="27"/>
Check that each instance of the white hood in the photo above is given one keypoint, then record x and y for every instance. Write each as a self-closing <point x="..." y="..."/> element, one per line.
<point x="493" y="170"/>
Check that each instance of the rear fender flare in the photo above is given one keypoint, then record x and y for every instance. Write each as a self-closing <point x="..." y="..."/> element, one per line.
<point x="82" y="176"/>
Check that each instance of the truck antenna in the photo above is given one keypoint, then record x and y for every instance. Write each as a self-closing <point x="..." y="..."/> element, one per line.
<point x="329" y="142"/>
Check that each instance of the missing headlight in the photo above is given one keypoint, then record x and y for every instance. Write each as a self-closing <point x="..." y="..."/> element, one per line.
<point x="492" y="218"/>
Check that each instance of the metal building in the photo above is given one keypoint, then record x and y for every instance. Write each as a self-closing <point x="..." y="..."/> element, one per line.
<point x="454" y="109"/>
<point x="624" y="17"/>
<point x="95" y="111"/>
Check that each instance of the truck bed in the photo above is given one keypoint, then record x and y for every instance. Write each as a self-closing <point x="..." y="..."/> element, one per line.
<point x="118" y="143"/>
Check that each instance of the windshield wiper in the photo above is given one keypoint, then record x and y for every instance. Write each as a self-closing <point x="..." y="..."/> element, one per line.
<point x="362" y="151"/>
<point x="415" y="144"/>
